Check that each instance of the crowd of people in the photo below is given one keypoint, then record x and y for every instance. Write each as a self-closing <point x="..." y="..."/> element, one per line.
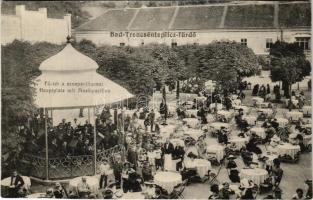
<point x="148" y="151"/>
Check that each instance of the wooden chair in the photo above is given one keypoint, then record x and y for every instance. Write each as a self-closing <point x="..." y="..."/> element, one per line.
<point x="178" y="190"/>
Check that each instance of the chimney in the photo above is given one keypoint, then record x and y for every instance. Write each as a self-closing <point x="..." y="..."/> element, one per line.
<point x="20" y="10"/>
<point x="68" y="19"/>
<point x="43" y="11"/>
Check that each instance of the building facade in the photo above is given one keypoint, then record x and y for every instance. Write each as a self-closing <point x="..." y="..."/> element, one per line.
<point x="34" y="26"/>
<point x="255" y="24"/>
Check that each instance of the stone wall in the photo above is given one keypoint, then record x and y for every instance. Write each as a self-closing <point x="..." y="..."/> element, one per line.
<point x="34" y="26"/>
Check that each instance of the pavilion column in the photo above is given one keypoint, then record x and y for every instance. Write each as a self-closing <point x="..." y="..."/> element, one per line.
<point x="94" y="143"/>
<point x="46" y="141"/>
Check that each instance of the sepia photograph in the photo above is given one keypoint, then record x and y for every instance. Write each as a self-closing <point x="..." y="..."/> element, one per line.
<point x="191" y="99"/>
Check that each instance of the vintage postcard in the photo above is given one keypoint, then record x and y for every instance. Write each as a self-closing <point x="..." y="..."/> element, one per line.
<point x="194" y="99"/>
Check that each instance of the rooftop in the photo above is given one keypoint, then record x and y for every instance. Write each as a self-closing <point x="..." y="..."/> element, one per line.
<point x="249" y="14"/>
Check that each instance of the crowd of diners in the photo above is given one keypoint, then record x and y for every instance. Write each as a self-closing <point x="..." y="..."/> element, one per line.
<point x="146" y="153"/>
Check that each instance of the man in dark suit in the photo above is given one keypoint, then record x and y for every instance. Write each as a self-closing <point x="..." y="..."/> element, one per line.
<point x="16" y="184"/>
<point x="168" y="147"/>
<point x="132" y="156"/>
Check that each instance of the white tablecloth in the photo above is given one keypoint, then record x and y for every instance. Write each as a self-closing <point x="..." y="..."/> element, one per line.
<point x="288" y="149"/>
<point x="225" y="113"/>
<point x="167" y="129"/>
<point x="191" y="112"/>
<point x="257" y="99"/>
<point x="26" y="179"/>
<point x="239" y="141"/>
<point x="245" y="109"/>
<point x="266" y="111"/>
<point x="219" y="106"/>
<point x="92" y="181"/>
<point x="217" y="149"/>
<point x="167" y="180"/>
<point x="307" y="140"/>
<point x="194" y="133"/>
<point x="282" y="122"/>
<point x="262" y="104"/>
<point x="257" y="175"/>
<point x="250" y="119"/>
<point x="210" y="118"/>
<point x="201" y="165"/>
<point x="307" y="110"/>
<point x="192" y="122"/>
<point x="295" y="115"/>
<point x="258" y="131"/>
<point x="218" y="125"/>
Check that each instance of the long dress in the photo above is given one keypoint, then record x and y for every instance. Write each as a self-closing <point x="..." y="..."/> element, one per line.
<point x="168" y="162"/>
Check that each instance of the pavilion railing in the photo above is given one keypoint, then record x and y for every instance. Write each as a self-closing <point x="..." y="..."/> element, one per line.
<point x="67" y="167"/>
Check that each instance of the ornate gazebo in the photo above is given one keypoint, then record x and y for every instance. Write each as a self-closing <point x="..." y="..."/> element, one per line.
<point x="69" y="81"/>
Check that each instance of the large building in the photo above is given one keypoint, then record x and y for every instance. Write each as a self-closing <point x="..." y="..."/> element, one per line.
<point x="34" y="26"/>
<point x="255" y="24"/>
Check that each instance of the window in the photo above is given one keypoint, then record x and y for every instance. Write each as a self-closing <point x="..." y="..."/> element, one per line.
<point x="269" y="43"/>
<point x="303" y="42"/>
<point x="122" y="44"/>
<point x="244" y="41"/>
<point x="174" y="44"/>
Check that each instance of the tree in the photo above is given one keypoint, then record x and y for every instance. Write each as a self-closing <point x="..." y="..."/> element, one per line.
<point x="226" y="62"/>
<point x="20" y="62"/>
<point x="288" y="64"/>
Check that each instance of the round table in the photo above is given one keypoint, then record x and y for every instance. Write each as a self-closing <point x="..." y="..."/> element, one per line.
<point x="219" y="106"/>
<point x="257" y="100"/>
<point x="266" y="111"/>
<point x="307" y="140"/>
<point x="294" y="115"/>
<point x="225" y="113"/>
<point x="192" y="122"/>
<point x="239" y="141"/>
<point x="262" y="104"/>
<point x="92" y="181"/>
<point x="217" y="149"/>
<point x="218" y="125"/>
<point x="210" y="118"/>
<point x="191" y="112"/>
<point x="258" y="131"/>
<point x="282" y="122"/>
<point x="245" y="109"/>
<point x="194" y="133"/>
<point x="251" y="120"/>
<point x="201" y="165"/>
<point x="7" y="182"/>
<point x="288" y="149"/>
<point x="257" y="175"/>
<point x="167" y="180"/>
<point x="307" y="110"/>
